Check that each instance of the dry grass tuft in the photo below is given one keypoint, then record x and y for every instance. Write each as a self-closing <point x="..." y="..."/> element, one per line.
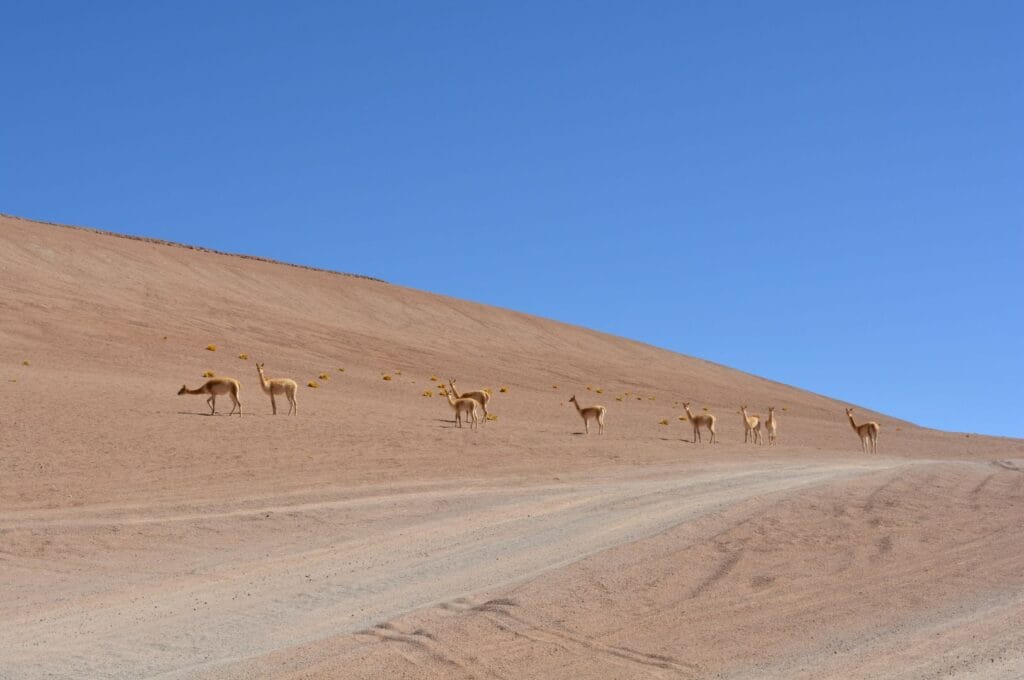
<point x="207" y="374"/>
<point x="491" y="416"/>
<point x="341" y="370"/>
<point x="434" y="378"/>
<point x="428" y="393"/>
<point x="650" y="398"/>
<point x="589" y="388"/>
<point x="599" y="390"/>
<point x="211" y="348"/>
<point x="386" y="377"/>
<point x="662" y="422"/>
<point x="784" y="408"/>
<point x="503" y="389"/>
<point x="704" y="408"/>
<point x="324" y="376"/>
<point x="683" y="418"/>
<point x="618" y="398"/>
<point x="26" y="363"/>
<point x="398" y="373"/>
<point x="314" y="384"/>
<point x="243" y="356"/>
<point x="554" y="387"/>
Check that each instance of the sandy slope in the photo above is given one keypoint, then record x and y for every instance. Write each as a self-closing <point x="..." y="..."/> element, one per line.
<point x="369" y="538"/>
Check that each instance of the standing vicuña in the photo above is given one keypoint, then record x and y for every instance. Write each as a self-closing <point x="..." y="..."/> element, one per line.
<point x="462" y="407"/>
<point x="481" y="396"/>
<point x="770" y="425"/>
<point x="285" y="386"/>
<point x="868" y="432"/>
<point x="215" y="386"/>
<point x="705" y="420"/>
<point x="751" y="427"/>
<point x="595" y="412"/>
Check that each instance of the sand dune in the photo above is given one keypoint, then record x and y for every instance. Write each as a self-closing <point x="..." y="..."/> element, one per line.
<point x="369" y="538"/>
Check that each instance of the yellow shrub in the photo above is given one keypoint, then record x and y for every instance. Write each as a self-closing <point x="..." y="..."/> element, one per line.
<point x="599" y="391"/>
<point x="503" y="390"/>
<point x="491" y="416"/>
<point x="704" y="408"/>
<point x="618" y="398"/>
<point x="662" y="422"/>
<point x="589" y="388"/>
<point x="342" y="370"/>
<point x="325" y="376"/>
<point x="207" y="374"/>
<point x="314" y="384"/>
<point x="683" y="418"/>
<point x="386" y="377"/>
<point x="434" y="378"/>
<point x="427" y="393"/>
<point x="243" y="356"/>
<point x="211" y="348"/>
<point x="25" y="363"/>
<point x="398" y="373"/>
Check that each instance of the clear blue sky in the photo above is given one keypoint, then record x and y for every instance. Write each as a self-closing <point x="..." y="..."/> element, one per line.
<point x="827" y="194"/>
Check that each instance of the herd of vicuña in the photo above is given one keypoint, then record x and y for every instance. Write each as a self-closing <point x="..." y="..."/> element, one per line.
<point x="471" y="407"/>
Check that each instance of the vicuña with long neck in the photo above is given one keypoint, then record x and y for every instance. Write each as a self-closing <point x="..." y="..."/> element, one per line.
<point x="868" y="433"/>
<point x="215" y="386"/>
<point x="481" y="396"/>
<point x="751" y="427"/>
<point x="463" y="407"/>
<point x="771" y="425"/>
<point x="705" y="420"/>
<point x="285" y="386"/>
<point x="588" y="413"/>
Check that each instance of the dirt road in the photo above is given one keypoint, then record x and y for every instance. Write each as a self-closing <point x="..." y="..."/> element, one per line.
<point x="190" y="590"/>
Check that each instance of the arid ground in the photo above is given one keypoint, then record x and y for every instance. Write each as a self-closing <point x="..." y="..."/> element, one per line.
<point x="367" y="537"/>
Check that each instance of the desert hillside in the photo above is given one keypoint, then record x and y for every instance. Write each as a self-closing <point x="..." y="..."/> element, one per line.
<point x="140" y="537"/>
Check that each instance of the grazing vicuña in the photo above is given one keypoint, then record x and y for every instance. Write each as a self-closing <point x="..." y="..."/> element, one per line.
<point x="216" y="386"/>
